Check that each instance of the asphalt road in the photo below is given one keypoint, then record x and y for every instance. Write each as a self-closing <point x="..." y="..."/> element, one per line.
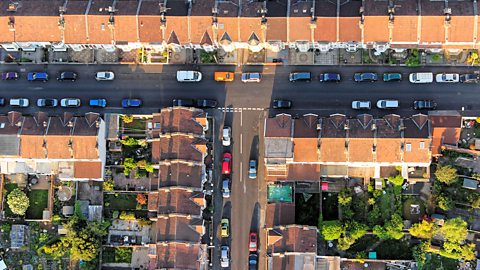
<point x="243" y="107"/>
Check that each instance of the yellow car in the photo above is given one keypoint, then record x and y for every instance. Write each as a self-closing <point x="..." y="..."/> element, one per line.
<point x="224" y="76"/>
<point x="224" y="226"/>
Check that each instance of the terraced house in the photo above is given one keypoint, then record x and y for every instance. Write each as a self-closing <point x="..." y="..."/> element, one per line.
<point x="238" y="24"/>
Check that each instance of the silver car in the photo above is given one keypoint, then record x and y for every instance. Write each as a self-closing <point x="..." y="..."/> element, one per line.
<point x="252" y="169"/>
<point x="70" y="102"/>
<point x="226" y="188"/>
<point x="251" y="77"/>
<point x="225" y="258"/>
<point x="104" y="76"/>
<point x="361" y="105"/>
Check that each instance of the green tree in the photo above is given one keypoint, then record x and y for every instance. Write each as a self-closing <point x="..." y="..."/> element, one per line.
<point x="332" y="230"/>
<point x="476" y="202"/>
<point x="454" y="230"/>
<point x="108" y="185"/>
<point x="396" y="180"/>
<point x="127" y="118"/>
<point x="345" y="243"/>
<point x="127" y="215"/>
<point x="128" y="165"/>
<point x="129" y="141"/>
<point x="356" y="229"/>
<point x="444" y="202"/>
<point x="18" y="202"/>
<point x="425" y="229"/>
<point x="394" y="227"/>
<point x="380" y="232"/>
<point x="446" y="174"/>
<point x="345" y="197"/>
<point x="419" y="253"/>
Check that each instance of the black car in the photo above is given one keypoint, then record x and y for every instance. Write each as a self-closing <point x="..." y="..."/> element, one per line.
<point x="300" y="76"/>
<point x="469" y="78"/>
<point x="365" y="77"/>
<point x="282" y="104"/>
<point x="183" y="102"/>
<point x="206" y="103"/>
<point x="424" y="105"/>
<point x="329" y="77"/>
<point x="47" y="102"/>
<point x="67" y="76"/>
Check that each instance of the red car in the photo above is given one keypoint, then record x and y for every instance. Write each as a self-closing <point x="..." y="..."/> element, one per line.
<point x="252" y="246"/>
<point x="227" y="163"/>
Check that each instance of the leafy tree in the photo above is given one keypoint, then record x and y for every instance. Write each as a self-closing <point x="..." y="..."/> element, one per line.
<point x="454" y="230"/>
<point x="425" y="229"/>
<point x="446" y="174"/>
<point x="149" y="167"/>
<point x="128" y="165"/>
<point x="380" y="232"/>
<point x="345" y="197"/>
<point x="396" y="180"/>
<point x="127" y="215"/>
<point x="356" y="230"/>
<point x="371" y="201"/>
<point x="419" y="253"/>
<point x="345" y="243"/>
<point x="476" y="202"/>
<point x="394" y="227"/>
<point x="108" y="185"/>
<point x="444" y="202"/>
<point x="129" y="141"/>
<point x="332" y="230"/>
<point x="127" y="119"/>
<point x="141" y="199"/>
<point x="18" y="202"/>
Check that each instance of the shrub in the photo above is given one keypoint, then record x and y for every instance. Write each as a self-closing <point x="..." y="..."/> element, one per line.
<point x="127" y="215"/>
<point x="396" y="180"/>
<point x="108" y="185"/>
<point x="331" y="230"/>
<point x="129" y="141"/>
<point x="141" y="199"/>
<point x="345" y="197"/>
<point x="18" y="202"/>
<point x="446" y="174"/>
<point x="127" y="118"/>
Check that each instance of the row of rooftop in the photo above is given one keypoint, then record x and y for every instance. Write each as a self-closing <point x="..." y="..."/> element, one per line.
<point x="210" y="22"/>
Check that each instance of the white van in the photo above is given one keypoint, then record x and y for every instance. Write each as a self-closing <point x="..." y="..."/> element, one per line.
<point x="189" y="76"/>
<point x="421" y="77"/>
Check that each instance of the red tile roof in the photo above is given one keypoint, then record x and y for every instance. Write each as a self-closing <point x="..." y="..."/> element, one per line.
<point x="179" y="228"/>
<point x="293" y="238"/>
<point x="300" y="29"/>
<point x="180" y="25"/>
<point x="37" y="28"/>
<point x="350" y="29"/>
<point x="305" y="149"/>
<point x="75" y="29"/>
<point x="376" y="29"/>
<point x="405" y="29"/>
<point x="98" y="30"/>
<point x="126" y="28"/>
<point x="181" y="201"/>
<point x="88" y="170"/>
<point x="179" y="255"/>
<point x="32" y="146"/>
<point x="433" y="29"/>
<point x="326" y="29"/>
<point x="277" y="29"/>
<point x="149" y="29"/>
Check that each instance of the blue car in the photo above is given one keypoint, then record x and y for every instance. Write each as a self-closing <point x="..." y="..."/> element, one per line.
<point x="329" y="77"/>
<point x="37" y="76"/>
<point x="101" y="102"/>
<point x="365" y="77"/>
<point x="127" y="103"/>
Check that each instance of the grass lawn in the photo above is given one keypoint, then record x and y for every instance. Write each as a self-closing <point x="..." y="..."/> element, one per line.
<point x="385" y="203"/>
<point x="38" y="202"/>
<point x="10" y="186"/>
<point x="138" y="126"/>
<point x="330" y="206"/>
<point x="120" y="202"/>
<point x="435" y="261"/>
<point x="117" y="255"/>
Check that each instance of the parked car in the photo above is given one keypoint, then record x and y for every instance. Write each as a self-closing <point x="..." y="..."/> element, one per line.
<point x="131" y="102"/>
<point x="392" y="77"/>
<point x="469" y="78"/>
<point x="361" y="105"/>
<point x="224" y="76"/>
<point x="10" y="75"/>
<point x="225" y="257"/>
<point x="226" y="188"/>
<point x="252" y="261"/>
<point x="206" y="103"/>
<point x="424" y="105"/>
<point x="365" y="77"/>
<point x="300" y="76"/>
<point x="224" y="225"/>
<point x="329" y="77"/>
<point x="100" y="102"/>
<point x="226" y="136"/>
<point x="67" y="76"/>
<point x="252" y="169"/>
<point x="387" y="104"/>
<point x="2" y="101"/>
<point x="104" y="76"/>
<point x="421" y="77"/>
<point x="227" y="163"/>
<point x="183" y="102"/>
<point x="252" y="243"/>
<point x="37" y="76"/>
<point x="189" y="76"/>
<point x="47" y="102"/>
<point x="251" y="77"/>
<point x="19" y="102"/>
<point x="447" y="78"/>
<point x="70" y="102"/>
<point x="282" y="104"/>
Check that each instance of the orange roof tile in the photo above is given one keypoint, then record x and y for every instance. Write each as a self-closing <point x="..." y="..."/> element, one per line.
<point x="303" y="172"/>
<point x="7" y="35"/>
<point x="89" y="170"/>
<point x="326" y="29"/>
<point x="388" y="150"/>
<point x="433" y="29"/>
<point x="149" y="29"/>
<point x="444" y="136"/>
<point x="376" y="29"/>
<point x="360" y="150"/>
<point x="98" y="30"/>
<point x="229" y="25"/>
<point x="57" y="147"/>
<point x="85" y="147"/>
<point x="461" y="29"/>
<point x="300" y="29"/>
<point x="332" y="150"/>
<point x="37" y="28"/>
<point x="179" y="24"/>
<point x="198" y="26"/>
<point x="417" y="154"/>
<point x="277" y="29"/>
<point x="249" y="25"/>
<point x="75" y="29"/>
<point x="32" y="146"/>
<point x="405" y="29"/>
<point x="126" y="28"/>
<point x="350" y="29"/>
<point x="305" y="150"/>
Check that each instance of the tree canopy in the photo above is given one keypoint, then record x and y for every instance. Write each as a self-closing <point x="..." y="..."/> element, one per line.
<point x="18" y="202"/>
<point x="396" y="180"/>
<point x="446" y="174"/>
<point x="344" y="197"/>
<point x="425" y="229"/>
<point x="454" y="230"/>
<point x="331" y="230"/>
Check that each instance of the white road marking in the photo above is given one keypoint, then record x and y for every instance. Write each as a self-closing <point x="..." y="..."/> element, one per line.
<point x="232" y="110"/>
<point x="241" y="143"/>
<point x="241" y="118"/>
<point x="241" y="179"/>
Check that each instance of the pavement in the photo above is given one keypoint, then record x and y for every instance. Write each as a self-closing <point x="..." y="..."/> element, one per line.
<point x="243" y="107"/>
